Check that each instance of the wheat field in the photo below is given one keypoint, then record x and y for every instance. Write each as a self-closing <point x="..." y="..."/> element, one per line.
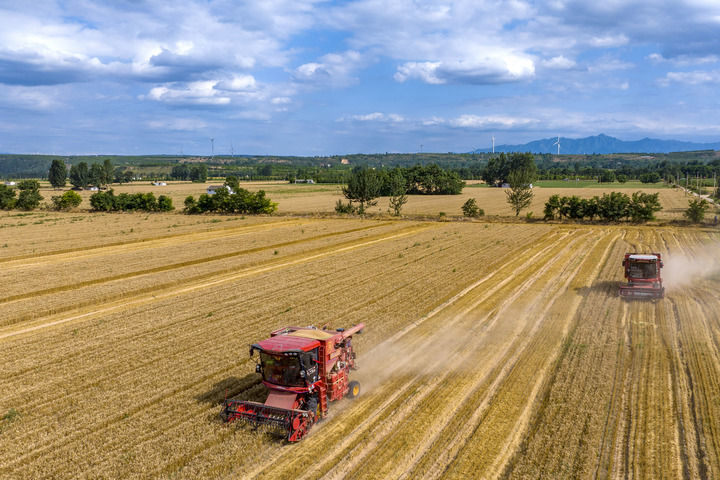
<point x="492" y="350"/>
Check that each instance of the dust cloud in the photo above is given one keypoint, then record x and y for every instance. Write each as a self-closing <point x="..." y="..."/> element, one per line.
<point x="682" y="271"/>
<point x="429" y="355"/>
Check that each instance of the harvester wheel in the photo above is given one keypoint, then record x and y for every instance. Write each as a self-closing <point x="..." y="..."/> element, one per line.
<point x="354" y="389"/>
<point x="314" y="407"/>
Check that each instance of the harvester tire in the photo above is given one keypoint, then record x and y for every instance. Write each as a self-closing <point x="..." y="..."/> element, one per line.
<point x="353" y="389"/>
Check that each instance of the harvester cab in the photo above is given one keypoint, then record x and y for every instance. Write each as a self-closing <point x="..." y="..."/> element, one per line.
<point x="303" y="368"/>
<point x="642" y="272"/>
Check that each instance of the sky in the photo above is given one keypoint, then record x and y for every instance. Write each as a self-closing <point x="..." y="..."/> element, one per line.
<point x="313" y="77"/>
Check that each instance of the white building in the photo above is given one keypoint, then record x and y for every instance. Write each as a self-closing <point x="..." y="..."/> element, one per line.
<point x="213" y="188"/>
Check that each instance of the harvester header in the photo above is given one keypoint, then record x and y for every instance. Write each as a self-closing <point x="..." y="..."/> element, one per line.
<point x="303" y="368"/>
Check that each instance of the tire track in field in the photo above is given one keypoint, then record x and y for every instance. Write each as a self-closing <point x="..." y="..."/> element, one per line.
<point x="551" y="448"/>
<point x="471" y="382"/>
<point x="571" y="313"/>
<point x="206" y="445"/>
<point x="159" y="398"/>
<point x="143" y="243"/>
<point x="326" y="293"/>
<point x="690" y="425"/>
<point x="140" y="297"/>
<point x="336" y="410"/>
<point x="190" y="334"/>
<point x="183" y="264"/>
<point x="347" y="442"/>
<point x="348" y="467"/>
<point x="514" y="360"/>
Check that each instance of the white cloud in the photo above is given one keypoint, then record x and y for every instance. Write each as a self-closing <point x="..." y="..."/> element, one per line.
<point x="336" y="69"/>
<point x="496" y="69"/>
<point x="697" y="77"/>
<point x="609" y="40"/>
<point x="194" y="93"/>
<point x="238" y="83"/>
<point x="492" y="121"/>
<point x="682" y="60"/>
<point x="607" y="63"/>
<point x="559" y="62"/>
<point x="30" y="98"/>
<point x="150" y="40"/>
<point x="376" y="117"/>
<point x="177" y="124"/>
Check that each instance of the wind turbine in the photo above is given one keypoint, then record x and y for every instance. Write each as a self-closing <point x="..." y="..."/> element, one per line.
<point x="493" y="143"/>
<point x="558" y="144"/>
<point x="212" y="148"/>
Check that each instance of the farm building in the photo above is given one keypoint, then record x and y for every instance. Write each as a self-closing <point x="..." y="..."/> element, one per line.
<point x="213" y="188"/>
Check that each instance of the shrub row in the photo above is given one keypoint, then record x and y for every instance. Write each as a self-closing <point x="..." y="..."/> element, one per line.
<point x="28" y="199"/>
<point x="613" y="207"/>
<point x="146" y="202"/>
<point x="225" y="202"/>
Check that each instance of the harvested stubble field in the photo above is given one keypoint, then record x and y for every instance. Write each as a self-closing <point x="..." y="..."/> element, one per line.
<point x="491" y="350"/>
<point x="303" y="198"/>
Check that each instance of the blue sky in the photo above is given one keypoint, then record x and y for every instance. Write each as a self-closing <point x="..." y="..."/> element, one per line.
<point x="311" y="77"/>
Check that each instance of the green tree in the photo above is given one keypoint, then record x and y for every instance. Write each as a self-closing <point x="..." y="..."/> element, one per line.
<point x="520" y="193"/>
<point x="344" y="208"/>
<point x="57" y="174"/>
<point x="552" y="208"/>
<point x="613" y="206"/>
<point x="29" y="197"/>
<point x="198" y="173"/>
<point x="180" y="172"/>
<point x="232" y="182"/>
<point x="606" y="176"/>
<point x="363" y="187"/>
<point x="265" y="170"/>
<point x="96" y="176"/>
<point x="109" y="172"/>
<point x="470" y="208"/>
<point x="164" y="203"/>
<point x="642" y="206"/>
<point x="67" y="200"/>
<point x="696" y="210"/>
<point x="79" y="175"/>
<point x="652" y="177"/>
<point x="191" y="205"/>
<point x="103" y="201"/>
<point x="7" y="198"/>
<point x="496" y="170"/>
<point x="398" y="192"/>
<point x="622" y="178"/>
<point x="522" y="161"/>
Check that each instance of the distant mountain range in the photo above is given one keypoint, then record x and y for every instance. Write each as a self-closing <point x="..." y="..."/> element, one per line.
<point x="603" y="144"/>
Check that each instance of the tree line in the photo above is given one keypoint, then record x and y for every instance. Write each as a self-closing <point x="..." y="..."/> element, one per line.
<point x="611" y="207"/>
<point x="231" y="199"/>
<point x="144" y="202"/>
<point x="195" y="173"/>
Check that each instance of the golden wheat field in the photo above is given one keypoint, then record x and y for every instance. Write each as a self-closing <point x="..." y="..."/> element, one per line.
<point x="492" y="350"/>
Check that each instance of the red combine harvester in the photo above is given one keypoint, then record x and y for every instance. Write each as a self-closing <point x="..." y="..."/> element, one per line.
<point x="304" y="368"/>
<point x="642" y="271"/>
